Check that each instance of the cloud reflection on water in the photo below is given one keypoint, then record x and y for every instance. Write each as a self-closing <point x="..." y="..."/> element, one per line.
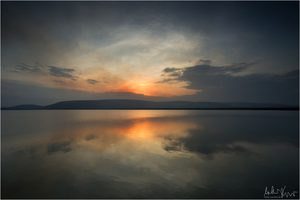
<point x="154" y="154"/>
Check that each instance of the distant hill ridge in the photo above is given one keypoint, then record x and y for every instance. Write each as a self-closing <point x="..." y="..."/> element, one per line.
<point x="141" y="104"/>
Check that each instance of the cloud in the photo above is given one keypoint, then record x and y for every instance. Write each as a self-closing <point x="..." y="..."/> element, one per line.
<point x="59" y="147"/>
<point x="92" y="81"/>
<point x="172" y="72"/>
<point x="207" y="69"/>
<point x="231" y="83"/>
<point x="47" y="70"/>
<point x="62" y="72"/>
<point x="27" y="68"/>
<point x="205" y="62"/>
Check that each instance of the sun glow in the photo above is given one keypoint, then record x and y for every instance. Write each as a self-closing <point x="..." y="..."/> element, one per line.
<point x="140" y="87"/>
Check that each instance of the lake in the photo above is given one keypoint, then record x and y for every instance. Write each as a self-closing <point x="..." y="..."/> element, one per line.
<point x="148" y="153"/>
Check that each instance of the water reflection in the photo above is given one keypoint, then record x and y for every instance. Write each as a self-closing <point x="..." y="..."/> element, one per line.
<point x="148" y="154"/>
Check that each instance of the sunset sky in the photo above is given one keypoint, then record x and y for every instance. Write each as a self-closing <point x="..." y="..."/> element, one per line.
<point x="196" y="51"/>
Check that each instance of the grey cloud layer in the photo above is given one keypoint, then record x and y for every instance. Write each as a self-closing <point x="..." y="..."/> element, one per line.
<point x="48" y="32"/>
<point x="62" y="72"/>
<point x="236" y="31"/>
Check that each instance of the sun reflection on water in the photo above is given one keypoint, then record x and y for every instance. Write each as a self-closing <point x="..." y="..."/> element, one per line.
<point x="142" y="131"/>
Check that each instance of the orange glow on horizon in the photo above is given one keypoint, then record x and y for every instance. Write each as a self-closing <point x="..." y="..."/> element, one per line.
<point x="157" y="89"/>
<point x="147" y="86"/>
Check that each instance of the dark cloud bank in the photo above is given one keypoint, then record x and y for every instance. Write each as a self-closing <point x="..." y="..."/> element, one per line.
<point x="227" y="83"/>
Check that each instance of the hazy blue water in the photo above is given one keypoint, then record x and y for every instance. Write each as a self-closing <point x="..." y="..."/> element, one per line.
<point x="148" y="154"/>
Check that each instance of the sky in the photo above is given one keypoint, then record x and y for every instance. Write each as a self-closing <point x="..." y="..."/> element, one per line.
<point x="161" y="51"/>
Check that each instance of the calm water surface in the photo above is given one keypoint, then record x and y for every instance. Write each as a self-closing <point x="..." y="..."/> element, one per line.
<point x="148" y="154"/>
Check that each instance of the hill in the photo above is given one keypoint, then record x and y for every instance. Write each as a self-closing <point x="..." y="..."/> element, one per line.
<point x="139" y="104"/>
